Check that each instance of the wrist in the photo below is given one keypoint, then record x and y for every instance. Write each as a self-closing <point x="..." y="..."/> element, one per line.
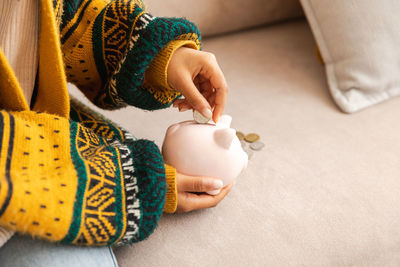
<point x="157" y="74"/>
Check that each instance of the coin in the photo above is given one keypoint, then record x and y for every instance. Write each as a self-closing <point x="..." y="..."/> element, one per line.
<point x="257" y="145"/>
<point x="240" y="135"/>
<point x="199" y="118"/>
<point x="252" y="137"/>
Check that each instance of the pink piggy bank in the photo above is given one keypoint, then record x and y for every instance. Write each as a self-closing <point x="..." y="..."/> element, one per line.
<point x="205" y="150"/>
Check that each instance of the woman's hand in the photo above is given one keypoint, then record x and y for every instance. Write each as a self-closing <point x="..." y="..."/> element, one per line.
<point x="197" y="76"/>
<point x="191" y="194"/>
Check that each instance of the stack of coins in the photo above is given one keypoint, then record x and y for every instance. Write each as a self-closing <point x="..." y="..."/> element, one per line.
<point x="250" y="142"/>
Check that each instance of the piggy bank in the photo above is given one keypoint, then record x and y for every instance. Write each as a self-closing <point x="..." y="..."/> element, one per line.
<point x="205" y="150"/>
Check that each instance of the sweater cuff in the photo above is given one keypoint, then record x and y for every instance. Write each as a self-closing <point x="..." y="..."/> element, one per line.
<point x="171" y="201"/>
<point x="156" y="74"/>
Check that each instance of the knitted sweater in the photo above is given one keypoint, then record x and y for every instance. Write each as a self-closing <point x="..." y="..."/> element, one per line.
<point x="66" y="173"/>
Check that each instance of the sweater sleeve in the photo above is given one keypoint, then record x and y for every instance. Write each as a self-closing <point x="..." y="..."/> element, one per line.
<point x="81" y="181"/>
<point x="108" y="46"/>
<point x="171" y="196"/>
<point x="156" y="75"/>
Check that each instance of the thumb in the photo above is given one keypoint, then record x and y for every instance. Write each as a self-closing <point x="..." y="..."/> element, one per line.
<point x="187" y="183"/>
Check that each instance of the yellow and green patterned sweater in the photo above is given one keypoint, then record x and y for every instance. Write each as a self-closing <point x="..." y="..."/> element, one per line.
<point x="67" y="174"/>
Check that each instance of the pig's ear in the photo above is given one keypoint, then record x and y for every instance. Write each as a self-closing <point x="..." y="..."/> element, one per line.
<point x="224" y="137"/>
<point x="224" y="121"/>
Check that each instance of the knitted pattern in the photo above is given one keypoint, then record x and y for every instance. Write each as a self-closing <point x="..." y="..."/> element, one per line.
<point x="84" y="180"/>
<point x="89" y="183"/>
<point x="109" y="45"/>
<point x="139" y="165"/>
<point x="117" y="136"/>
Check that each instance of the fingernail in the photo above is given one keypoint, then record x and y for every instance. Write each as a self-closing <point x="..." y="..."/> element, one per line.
<point x="217" y="184"/>
<point x="207" y="113"/>
<point x="214" y="192"/>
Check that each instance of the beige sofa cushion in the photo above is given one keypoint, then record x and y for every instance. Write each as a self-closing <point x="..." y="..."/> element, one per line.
<point x="359" y="43"/>
<point x="325" y="190"/>
<point x="220" y="16"/>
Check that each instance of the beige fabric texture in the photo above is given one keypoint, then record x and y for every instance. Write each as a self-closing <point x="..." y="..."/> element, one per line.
<point x="5" y="235"/>
<point x="325" y="190"/>
<point x="19" y="34"/>
<point x="359" y="41"/>
<point x="221" y="16"/>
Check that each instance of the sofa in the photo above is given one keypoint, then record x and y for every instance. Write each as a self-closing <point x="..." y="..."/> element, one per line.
<point x="324" y="191"/>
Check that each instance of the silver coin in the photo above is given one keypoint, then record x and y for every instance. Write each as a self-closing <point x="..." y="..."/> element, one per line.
<point x="199" y="118"/>
<point x="257" y="145"/>
<point x="249" y="152"/>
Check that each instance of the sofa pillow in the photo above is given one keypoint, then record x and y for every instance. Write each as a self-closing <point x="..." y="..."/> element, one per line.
<point x="359" y="41"/>
<point x="221" y="16"/>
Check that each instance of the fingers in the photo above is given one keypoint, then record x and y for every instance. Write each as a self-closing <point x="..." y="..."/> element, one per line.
<point x="194" y="97"/>
<point x="189" y="202"/>
<point x="182" y="105"/>
<point x="217" y="81"/>
<point x="198" y="184"/>
<point x="211" y="100"/>
<point x="205" y="88"/>
<point x="221" y="92"/>
<point x="178" y="102"/>
<point x="220" y="101"/>
<point x="201" y="82"/>
<point x="208" y="92"/>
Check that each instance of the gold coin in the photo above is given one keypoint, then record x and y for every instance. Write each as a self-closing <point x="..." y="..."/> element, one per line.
<point x="240" y="135"/>
<point x="252" y="137"/>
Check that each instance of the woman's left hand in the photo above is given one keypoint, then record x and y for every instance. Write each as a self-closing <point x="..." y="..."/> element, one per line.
<point x="198" y="77"/>
<point x="191" y="192"/>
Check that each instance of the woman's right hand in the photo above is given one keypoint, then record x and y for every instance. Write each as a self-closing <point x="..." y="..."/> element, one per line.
<point x="191" y="192"/>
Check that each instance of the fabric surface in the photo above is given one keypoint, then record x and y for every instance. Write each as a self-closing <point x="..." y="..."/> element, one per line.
<point x="220" y="16"/>
<point x="5" y="235"/>
<point x="359" y="42"/>
<point x="23" y="251"/>
<point x="323" y="192"/>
